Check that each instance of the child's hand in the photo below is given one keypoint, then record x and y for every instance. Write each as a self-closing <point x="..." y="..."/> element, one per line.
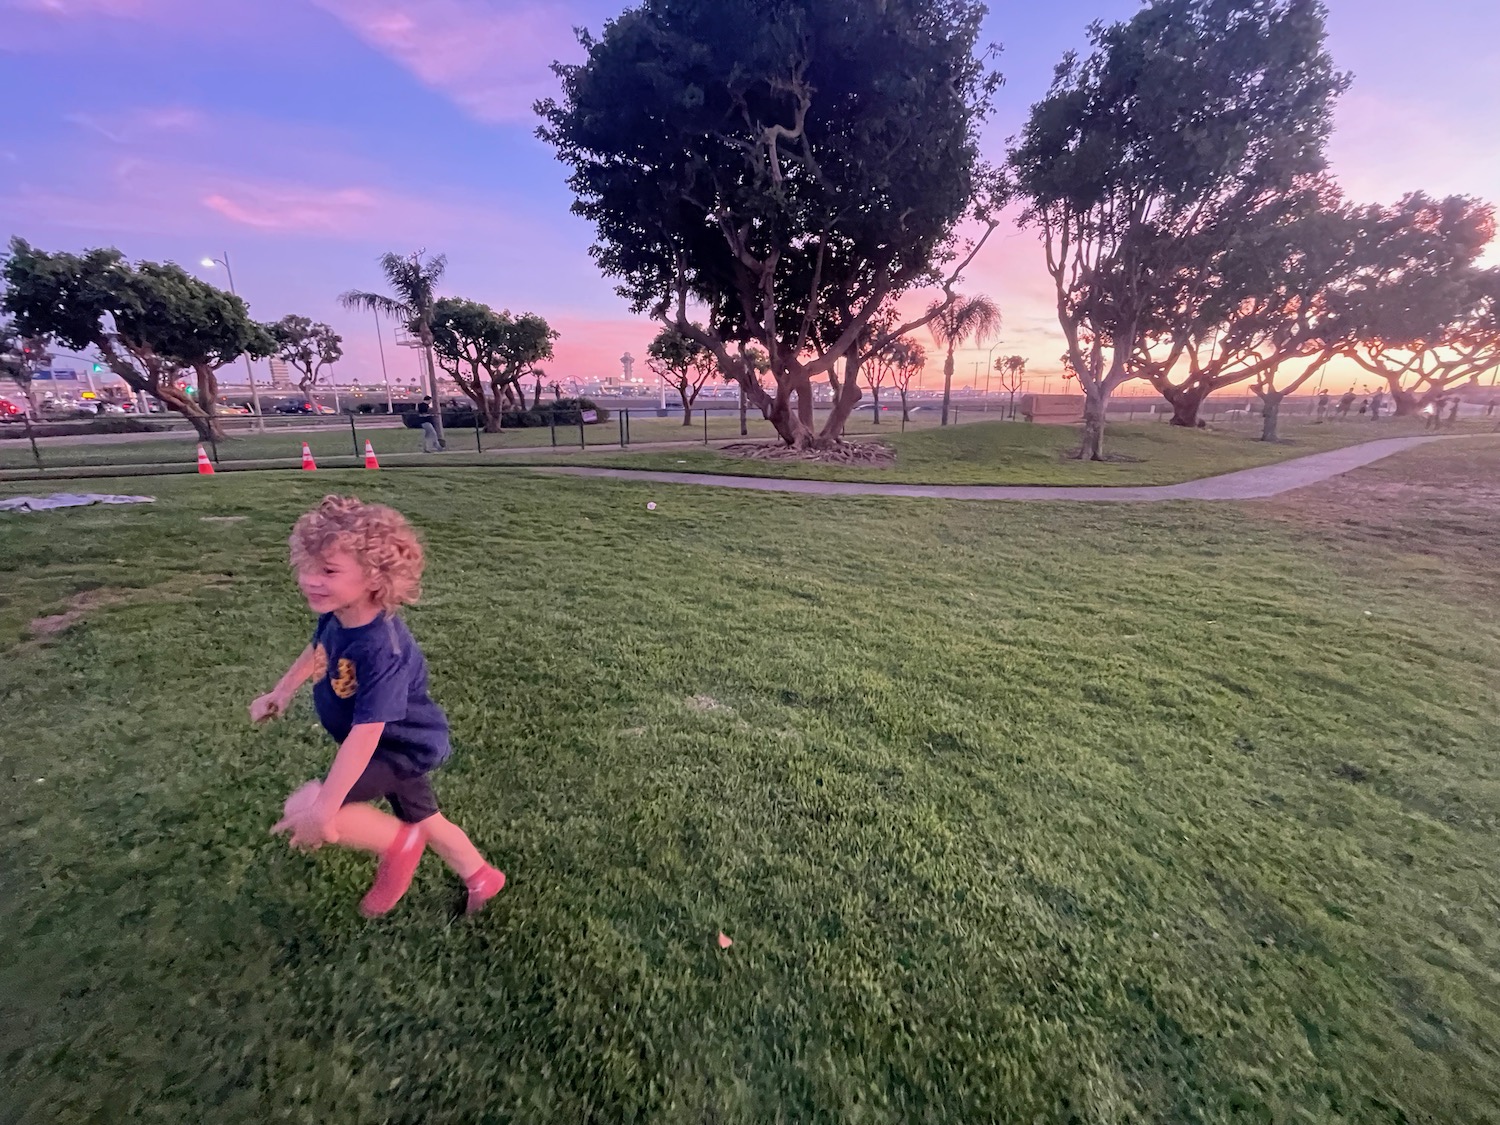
<point x="270" y="706"/>
<point x="311" y="827"/>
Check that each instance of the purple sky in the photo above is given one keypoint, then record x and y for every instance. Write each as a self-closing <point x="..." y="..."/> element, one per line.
<point x="304" y="137"/>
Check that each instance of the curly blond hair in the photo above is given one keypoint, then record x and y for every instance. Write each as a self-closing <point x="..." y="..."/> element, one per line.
<point x="378" y="537"/>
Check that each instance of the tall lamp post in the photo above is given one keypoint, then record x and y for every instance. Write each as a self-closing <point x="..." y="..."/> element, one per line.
<point x="390" y="407"/>
<point x="260" y="417"/>
<point x="989" y="365"/>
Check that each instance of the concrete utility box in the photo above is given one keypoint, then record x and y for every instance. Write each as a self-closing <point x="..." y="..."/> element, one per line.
<point x="1055" y="410"/>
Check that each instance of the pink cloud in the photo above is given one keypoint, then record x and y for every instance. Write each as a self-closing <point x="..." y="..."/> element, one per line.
<point x="162" y="197"/>
<point x="492" y="60"/>
<point x="116" y="9"/>
<point x="296" y="209"/>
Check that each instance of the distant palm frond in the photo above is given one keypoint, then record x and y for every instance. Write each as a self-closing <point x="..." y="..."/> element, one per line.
<point x="413" y="281"/>
<point x="974" y="318"/>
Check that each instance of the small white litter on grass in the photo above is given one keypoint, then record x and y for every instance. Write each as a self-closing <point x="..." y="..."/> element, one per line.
<point x="651" y="507"/>
<point x="725" y="941"/>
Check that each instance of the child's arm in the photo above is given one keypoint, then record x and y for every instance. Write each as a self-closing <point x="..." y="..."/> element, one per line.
<point x="279" y="698"/>
<point x="314" y="827"/>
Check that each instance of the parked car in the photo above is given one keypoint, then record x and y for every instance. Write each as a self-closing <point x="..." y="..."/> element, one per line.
<point x="233" y="408"/>
<point x="10" y="412"/>
<point x="294" y="406"/>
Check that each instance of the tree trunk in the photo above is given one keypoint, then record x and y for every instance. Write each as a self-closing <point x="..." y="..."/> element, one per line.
<point x="432" y="380"/>
<point x="744" y="424"/>
<point x="1095" y="404"/>
<point x="1408" y="403"/>
<point x="875" y="403"/>
<point x="1270" y="411"/>
<point x="28" y="388"/>
<point x="905" y="413"/>
<point x="1186" y="402"/>
<point x="845" y="399"/>
<point x="687" y="404"/>
<point x="177" y="399"/>
<point x="805" y="405"/>
<point x="947" y="384"/>
<point x="494" y="409"/>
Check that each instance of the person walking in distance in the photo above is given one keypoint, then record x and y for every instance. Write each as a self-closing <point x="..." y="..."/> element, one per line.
<point x="431" y="443"/>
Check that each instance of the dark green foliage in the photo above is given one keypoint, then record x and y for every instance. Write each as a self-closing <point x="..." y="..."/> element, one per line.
<point x="155" y="325"/>
<point x="789" y="166"/>
<point x="1185" y="126"/>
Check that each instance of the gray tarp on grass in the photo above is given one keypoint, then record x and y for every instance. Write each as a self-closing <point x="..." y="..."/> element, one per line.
<point x="67" y="500"/>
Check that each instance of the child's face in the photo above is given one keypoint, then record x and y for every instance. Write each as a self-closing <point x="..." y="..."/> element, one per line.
<point x="333" y="582"/>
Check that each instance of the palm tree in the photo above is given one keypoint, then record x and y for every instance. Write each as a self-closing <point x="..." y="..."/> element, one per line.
<point x="414" y="283"/>
<point x="974" y="318"/>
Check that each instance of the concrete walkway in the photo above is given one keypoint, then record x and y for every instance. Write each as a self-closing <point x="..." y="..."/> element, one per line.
<point x="1247" y="484"/>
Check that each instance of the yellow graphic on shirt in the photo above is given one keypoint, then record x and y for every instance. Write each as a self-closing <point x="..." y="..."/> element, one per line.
<point x="345" y="683"/>
<point x="320" y="663"/>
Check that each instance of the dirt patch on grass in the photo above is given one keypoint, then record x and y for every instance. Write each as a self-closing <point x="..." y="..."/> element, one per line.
<point x="82" y="604"/>
<point x="872" y="454"/>
<point x="1438" y="504"/>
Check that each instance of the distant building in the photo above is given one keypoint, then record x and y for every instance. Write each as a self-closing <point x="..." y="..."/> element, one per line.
<point x="281" y="378"/>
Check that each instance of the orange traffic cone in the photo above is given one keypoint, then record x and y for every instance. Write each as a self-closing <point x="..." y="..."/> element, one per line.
<point x="308" y="464"/>
<point x="205" y="466"/>
<point x="370" y="462"/>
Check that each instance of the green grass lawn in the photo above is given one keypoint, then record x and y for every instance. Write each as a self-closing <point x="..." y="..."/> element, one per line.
<point x="1015" y="813"/>
<point x="334" y="442"/>
<point x="1018" y="453"/>
<point x="974" y="452"/>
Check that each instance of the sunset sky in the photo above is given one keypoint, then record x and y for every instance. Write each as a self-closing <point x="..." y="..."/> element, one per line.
<point x="305" y="137"/>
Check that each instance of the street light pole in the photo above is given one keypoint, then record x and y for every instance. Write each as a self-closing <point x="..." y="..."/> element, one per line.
<point x="390" y="406"/>
<point x="260" y="417"/>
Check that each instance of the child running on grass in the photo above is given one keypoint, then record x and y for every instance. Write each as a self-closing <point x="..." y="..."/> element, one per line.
<point x="357" y="564"/>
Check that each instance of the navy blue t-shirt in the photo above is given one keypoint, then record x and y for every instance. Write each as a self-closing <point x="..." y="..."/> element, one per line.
<point x="377" y="674"/>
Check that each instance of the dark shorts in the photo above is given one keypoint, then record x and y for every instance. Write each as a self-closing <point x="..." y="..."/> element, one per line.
<point x="410" y="798"/>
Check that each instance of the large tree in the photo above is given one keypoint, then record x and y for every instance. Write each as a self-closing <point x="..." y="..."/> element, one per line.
<point x="156" y="326"/>
<point x="779" y="172"/>
<point x="953" y="323"/>
<point x="21" y="357"/>
<point x="683" y="364"/>
<point x="477" y="345"/>
<point x="307" y="348"/>
<point x="897" y="363"/>
<point x="413" y="280"/>
<point x="907" y="359"/>
<point x="1425" y="316"/>
<point x="1178" y="131"/>
<point x="1012" y="372"/>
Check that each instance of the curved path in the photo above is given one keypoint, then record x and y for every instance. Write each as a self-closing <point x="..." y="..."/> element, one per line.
<point x="1246" y="484"/>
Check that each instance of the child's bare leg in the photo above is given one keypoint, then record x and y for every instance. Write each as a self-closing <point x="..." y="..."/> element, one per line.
<point x="367" y="828"/>
<point x="458" y="851"/>
<point x="450" y="842"/>
<point x="359" y="826"/>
